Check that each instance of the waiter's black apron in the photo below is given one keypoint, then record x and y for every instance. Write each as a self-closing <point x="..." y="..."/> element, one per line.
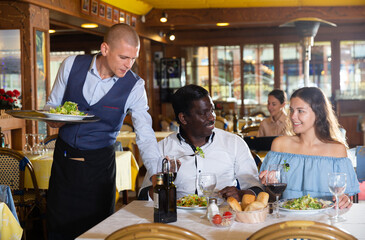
<point x="81" y="193"/>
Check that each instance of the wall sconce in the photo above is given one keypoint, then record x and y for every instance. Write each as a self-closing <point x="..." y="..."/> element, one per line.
<point x="171" y="36"/>
<point x="163" y="18"/>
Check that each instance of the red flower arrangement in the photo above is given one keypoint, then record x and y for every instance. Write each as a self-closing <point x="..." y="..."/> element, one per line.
<point x="9" y="99"/>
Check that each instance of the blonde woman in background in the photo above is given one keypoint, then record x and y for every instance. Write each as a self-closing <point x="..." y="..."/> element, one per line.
<point x="275" y="124"/>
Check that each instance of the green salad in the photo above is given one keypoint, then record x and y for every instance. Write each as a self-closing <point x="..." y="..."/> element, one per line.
<point x="69" y="108"/>
<point x="304" y="203"/>
<point x="192" y="200"/>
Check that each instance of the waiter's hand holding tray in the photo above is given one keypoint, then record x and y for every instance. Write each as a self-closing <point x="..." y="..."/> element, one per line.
<point x="46" y="116"/>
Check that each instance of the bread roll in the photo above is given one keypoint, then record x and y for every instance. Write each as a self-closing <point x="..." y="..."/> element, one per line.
<point x="234" y="204"/>
<point x="247" y="199"/>
<point x="256" y="205"/>
<point x="263" y="197"/>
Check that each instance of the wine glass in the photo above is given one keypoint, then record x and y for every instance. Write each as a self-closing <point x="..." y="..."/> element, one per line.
<point x="276" y="184"/>
<point x="337" y="185"/>
<point x="207" y="182"/>
<point x="27" y="149"/>
<point x="173" y="167"/>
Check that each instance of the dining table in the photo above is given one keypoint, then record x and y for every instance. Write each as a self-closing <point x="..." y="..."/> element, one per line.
<point x="126" y="170"/>
<point x="128" y="140"/>
<point x="138" y="212"/>
<point x="9" y="226"/>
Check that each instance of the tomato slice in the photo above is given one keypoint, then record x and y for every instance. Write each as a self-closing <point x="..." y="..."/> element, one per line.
<point x="227" y="214"/>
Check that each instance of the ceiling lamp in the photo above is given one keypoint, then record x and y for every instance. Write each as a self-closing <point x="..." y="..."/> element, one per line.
<point x="89" y="25"/>
<point x="51" y="31"/>
<point x="222" y="24"/>
<point x="163" y="18"/>
<point x="172" y="36"/>
<point x="307" y="29"/>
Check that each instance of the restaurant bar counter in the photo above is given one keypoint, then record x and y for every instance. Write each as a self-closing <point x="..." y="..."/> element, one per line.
<point x="142" y="212"/>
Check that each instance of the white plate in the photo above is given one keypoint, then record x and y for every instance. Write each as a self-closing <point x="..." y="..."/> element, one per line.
<point x="191" y="208"/>
<point x="328" y="205"/>
<point x="65" y="117"/>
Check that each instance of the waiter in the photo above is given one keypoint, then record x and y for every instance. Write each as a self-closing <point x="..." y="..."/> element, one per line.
<point x="82" y="184"/>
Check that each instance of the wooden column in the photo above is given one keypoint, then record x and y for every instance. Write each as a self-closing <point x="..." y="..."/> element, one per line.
<point x="27" y="18"/>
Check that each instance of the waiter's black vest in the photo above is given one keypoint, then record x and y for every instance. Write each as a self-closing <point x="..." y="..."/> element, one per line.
<point x="110" y="108"/>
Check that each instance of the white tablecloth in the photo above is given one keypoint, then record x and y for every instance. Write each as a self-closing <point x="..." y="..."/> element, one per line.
<point x="142" y="212"/>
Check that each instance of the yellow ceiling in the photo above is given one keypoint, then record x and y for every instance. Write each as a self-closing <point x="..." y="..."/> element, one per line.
<point x="142" y="7"/>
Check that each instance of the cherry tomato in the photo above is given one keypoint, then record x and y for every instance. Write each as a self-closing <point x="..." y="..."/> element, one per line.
<point x="227" y="214"/>
<point x="217" y="219"/>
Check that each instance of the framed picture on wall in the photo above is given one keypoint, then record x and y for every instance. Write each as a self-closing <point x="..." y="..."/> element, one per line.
<point x="94" y="7"/>
<point x="109" y="12"/>
<point x="128" y="19"/>
<point x="121" y="17"/>
<point x="85" y="6"/>
<point x="102" y="10"/>
<point x="116" y="15"/>
<point x="134" y="21"/>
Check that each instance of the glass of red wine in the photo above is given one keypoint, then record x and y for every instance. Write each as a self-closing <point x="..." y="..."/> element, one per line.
<point x="276" y="184"/>
<point x="172" y="165"/>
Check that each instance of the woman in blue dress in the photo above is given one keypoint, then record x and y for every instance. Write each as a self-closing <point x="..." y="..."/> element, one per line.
<point x="313" y="148"/>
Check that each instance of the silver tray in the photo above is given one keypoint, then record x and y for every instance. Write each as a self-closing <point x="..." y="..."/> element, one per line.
<point x="40" y="116"/>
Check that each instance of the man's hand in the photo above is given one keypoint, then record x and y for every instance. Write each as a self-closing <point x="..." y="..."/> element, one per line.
<point x="55" y="124"/>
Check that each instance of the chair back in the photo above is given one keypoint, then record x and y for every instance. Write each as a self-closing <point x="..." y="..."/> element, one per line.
<point x="50" y="141"/>
<point x="127" y="127"/>
<point x="257" y="159"/>
<point x="300" y="229"/>
<point x="259" y="143"/>
<point x="360" y="163"/>
<point x="12" y="171"/>
<point x="221" y="123"/>
<point x="250" y="131"/>
<point x="154" y="231"/>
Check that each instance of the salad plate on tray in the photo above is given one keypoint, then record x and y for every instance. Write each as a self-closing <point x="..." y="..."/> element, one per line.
<point x="51" y="117"/>
<point x="301" y="206"/>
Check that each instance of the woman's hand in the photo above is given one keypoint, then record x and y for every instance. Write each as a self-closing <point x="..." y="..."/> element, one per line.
<point x="344" y="201"/>
<point x="262" y="177"/>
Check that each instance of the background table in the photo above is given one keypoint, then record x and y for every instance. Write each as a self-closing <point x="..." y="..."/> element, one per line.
<point x="142" y="212"/>
<point x="126" y="170"/>
<point x="9" y="226"/>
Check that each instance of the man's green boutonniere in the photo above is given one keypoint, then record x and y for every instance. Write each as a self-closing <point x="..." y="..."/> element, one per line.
<point x="286" y="166"/>
<point x="200" y="152"/>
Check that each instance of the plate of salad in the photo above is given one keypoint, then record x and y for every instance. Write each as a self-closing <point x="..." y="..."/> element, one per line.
<point x="192" y="202"/>
<point x="68" y="111"/>
<point x="305" y="204"/>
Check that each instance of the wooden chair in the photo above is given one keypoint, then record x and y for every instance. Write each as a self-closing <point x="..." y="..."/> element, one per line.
<point x="12" y="173"/>
<point x="221" y="123"/>
<point x="301" y="230"/>
<point x="127" y="127"/>
<point x="50" y="141"/>
<point x="154" y="231"/>
<point x="250" y="131"/>
<point x="257" y="159"/>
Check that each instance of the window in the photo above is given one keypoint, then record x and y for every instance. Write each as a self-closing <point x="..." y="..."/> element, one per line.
<point x="352" y="73"/>
<point x="258" y="75"/>
<point x="292" y="68"/>
<point x="197" y="66"/>
<point x="226" y="73"/>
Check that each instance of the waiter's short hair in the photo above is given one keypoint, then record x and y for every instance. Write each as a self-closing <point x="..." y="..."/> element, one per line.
<point x="122" y="31"/>
<point x="182" y="99"/>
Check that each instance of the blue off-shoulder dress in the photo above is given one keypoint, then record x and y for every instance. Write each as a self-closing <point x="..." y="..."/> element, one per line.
<point x="309" y="174"/>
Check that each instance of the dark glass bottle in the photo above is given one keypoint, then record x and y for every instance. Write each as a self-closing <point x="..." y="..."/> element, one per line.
<point x="171" y="189"/>
<point x="2" y="139"/>
<point x="235" y="122"/>
<point x="160" y="201"/>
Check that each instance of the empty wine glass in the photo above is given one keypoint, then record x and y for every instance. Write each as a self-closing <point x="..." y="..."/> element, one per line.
<point x="207" y="183"/>
<point x="276" y="184"/>
<point x="27" y="149"/>
<point x="337" y="185"/>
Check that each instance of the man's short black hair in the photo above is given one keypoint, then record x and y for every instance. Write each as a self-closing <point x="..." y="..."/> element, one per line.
<point x="183" y="98"/>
